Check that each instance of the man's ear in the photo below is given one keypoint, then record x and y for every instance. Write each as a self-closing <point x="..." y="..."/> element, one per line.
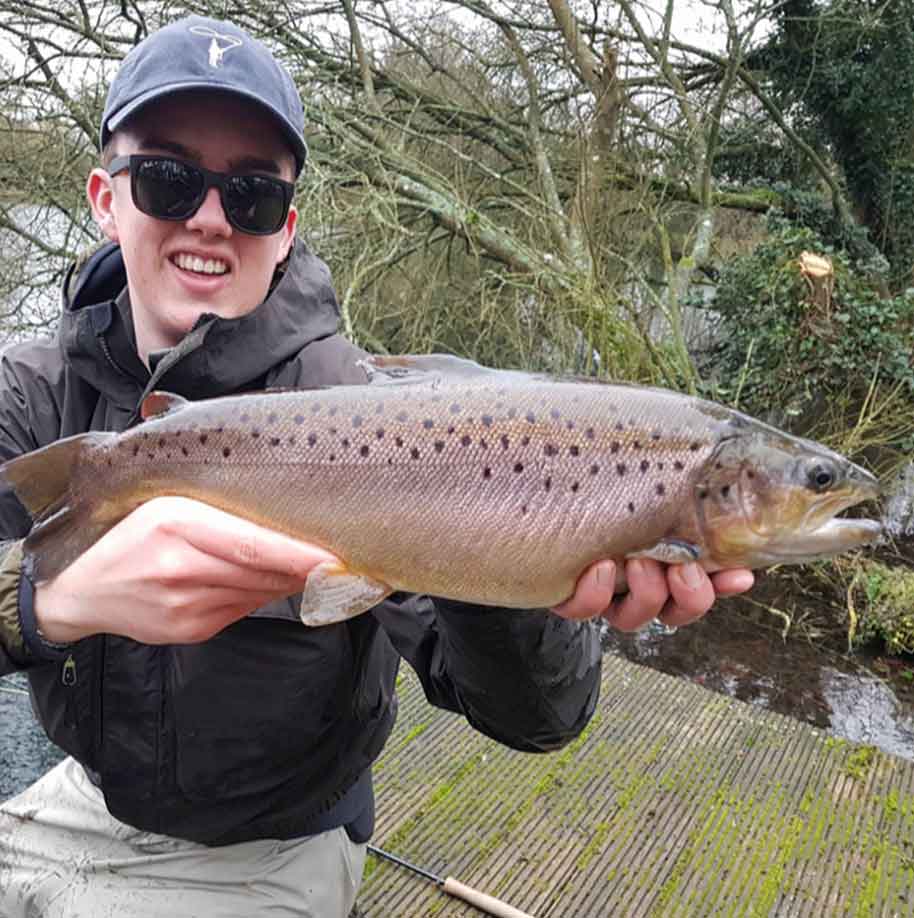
<point x="288" y="234"/>
<point x="101" y="200"/>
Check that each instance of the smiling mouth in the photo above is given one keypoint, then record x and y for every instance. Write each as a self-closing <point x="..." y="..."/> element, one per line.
<point x="197" y="265"/>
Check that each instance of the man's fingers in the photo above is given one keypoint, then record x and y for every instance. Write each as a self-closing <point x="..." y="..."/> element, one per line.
<point x="593" y="593"/>
<point x="236" y="540"/>
<point x="648" y="592"/>
<point x="729" y="583"/>
<point x="186" y="564"/>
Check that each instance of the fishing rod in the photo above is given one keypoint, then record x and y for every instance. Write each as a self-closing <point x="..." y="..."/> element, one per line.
<point x="455" y="888"/>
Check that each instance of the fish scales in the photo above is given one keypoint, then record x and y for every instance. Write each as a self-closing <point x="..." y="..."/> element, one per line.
<point x="404" y="482"/>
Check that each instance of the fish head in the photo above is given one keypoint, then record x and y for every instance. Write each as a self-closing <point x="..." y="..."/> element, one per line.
<point x="768" y="498"/>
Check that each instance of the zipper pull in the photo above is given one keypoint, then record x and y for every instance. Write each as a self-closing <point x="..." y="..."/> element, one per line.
<point x="68" y="677"/>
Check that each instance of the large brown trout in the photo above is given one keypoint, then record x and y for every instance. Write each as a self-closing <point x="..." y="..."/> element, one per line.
<point x="491" y="487"/>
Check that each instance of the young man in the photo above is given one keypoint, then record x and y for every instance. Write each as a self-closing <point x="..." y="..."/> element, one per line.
<point x="220" y="752"/>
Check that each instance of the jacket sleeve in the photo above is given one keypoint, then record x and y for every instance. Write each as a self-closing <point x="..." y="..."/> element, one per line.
<point x="528" y="679"/>
<point x="17" y="645"/>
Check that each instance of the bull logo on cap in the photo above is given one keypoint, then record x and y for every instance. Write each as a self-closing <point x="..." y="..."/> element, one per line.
<point x="219" y="44"/>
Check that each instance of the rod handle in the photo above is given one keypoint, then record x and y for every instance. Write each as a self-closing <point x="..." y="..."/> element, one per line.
<point x="481" y="900"/>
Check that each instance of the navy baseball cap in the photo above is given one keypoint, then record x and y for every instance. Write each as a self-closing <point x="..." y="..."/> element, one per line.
<point x="200" y="53"/>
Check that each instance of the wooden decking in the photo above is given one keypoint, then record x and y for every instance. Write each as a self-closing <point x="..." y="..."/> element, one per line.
<point x="674" y="802"/>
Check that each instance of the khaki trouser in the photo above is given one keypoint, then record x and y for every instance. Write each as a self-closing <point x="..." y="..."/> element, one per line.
<point x="62" y="855"/>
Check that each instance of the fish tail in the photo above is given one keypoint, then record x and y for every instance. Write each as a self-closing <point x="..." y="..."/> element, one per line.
<point x="62" y="528"/>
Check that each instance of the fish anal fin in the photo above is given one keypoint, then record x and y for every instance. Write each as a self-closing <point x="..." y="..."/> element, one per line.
<point x="158" y="403"/>
<point x="670" y="551"/>
<point x="333" y="593"/>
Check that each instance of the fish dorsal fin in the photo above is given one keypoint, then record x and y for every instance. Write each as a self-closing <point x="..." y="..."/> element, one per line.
<point x="157" y="403"/>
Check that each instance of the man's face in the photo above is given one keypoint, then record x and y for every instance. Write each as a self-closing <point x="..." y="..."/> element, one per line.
<point x="168" y="291"/>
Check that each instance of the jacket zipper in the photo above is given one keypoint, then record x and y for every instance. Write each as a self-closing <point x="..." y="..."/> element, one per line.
<point x="68" y="672"/>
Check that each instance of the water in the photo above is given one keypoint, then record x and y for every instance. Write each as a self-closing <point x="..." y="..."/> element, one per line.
<point x="736" y="654"/>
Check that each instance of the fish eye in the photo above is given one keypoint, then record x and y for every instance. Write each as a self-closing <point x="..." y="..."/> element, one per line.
<point x="821" y="476"/>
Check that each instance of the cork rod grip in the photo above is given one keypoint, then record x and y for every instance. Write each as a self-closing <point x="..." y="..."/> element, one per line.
<point x="487" y="903"/>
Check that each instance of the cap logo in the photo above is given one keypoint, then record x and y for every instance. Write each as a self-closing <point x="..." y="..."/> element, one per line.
<point x="219" y="44"/>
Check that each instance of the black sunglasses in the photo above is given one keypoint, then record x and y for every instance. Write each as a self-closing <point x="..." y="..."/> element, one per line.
<point x="172" y="189"/>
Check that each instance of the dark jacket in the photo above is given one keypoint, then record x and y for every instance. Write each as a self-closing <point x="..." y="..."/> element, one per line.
<point x="269" y="728"/>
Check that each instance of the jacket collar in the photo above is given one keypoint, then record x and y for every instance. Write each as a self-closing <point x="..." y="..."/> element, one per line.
<point x="217" y="357"/>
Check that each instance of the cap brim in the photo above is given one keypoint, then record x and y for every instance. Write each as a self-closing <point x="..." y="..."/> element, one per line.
<point x="295" y="140"/>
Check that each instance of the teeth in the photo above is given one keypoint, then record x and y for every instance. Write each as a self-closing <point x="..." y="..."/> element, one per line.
<point x="196" y="263"/>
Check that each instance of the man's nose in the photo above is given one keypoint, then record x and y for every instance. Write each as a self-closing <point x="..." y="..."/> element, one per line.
<point x="210" y="218"/>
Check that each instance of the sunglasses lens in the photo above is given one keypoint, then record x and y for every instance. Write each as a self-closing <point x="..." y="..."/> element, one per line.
<point x="166" y="188"/>
<point x="255" y="203"/>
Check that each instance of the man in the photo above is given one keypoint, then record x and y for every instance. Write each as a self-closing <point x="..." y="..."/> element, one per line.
<point x="221" y="751"/>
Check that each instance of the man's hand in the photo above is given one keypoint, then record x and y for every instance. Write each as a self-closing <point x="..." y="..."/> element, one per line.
<point x="676" y="594"/>
<point x="175" y="571"/>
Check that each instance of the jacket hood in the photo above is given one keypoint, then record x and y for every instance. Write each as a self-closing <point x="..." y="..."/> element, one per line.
<point x="218" y="356"/>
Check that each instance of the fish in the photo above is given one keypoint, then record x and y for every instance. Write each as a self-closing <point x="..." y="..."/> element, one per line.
<point x="443" y="477"/>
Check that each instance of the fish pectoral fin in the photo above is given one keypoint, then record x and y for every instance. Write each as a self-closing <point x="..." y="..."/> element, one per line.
<point x="670" y="551"/>
<point x="333" y="593"/>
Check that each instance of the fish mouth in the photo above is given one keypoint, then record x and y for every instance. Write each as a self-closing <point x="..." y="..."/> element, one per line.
<point x="832" y="537"/>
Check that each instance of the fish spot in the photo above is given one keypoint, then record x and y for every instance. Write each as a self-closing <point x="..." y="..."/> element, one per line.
<point x="312" y="439"/>
<point x="414" y="452"/>
<point x="575" y="486"/>
<point x="523" y="510"/>
<point x="518" y="467"/>
<point x="655" y="435"/>
<point x="226" y="452"/>
<point x="255" y="433"/>
<point x="678" y="465"/>
<point x="486" y="420"/>
<point x="332" y="457"/>
<point x="615" y="446"/>
<point x="183" y="450"/>
<point x="275" y="441"/>
<point x="505" y="441"/>
<point x="439" y="446"/>
<point x="548" y="484"/>
<point x="750" y="474"/>
<point x="333" y="431"/>
<point x="718" y="465"/>
<point x="428" y="423"/>
<point x="291" y="441"/>
<point x="482" y="443"/>
<point x="702" y="493"/>
<point x="645" y="465"/>
<point x="465" y="440"/>
<point x="555" y="414"/>
<point x="398" y="441"/>
<point x="203" y="439"/>
<point x="694" y="447"/>
<point x="594" y="469"/>
<point x="451" y="429"/>
<point x="589" y="433"/>
<point x="530" y="417"/>
<point x="379" y="433"/>
<point x="161" y="442"/>
<point x="725" y="491"/>
<point x="636" y="444"/>
<point x="136" y="448"/>
<point x="550" y="449"/>
<point x="574" y="450"/>
<point x="525" y="441"/>
<point x="151" y="455"/>
<point x="621" y="468"/>
<point x="620" y="425"/>
<point x="660" y="489"/>
<point x="364" y="451"/>
<point x="345" y="442"/>
<point x="631" y="507"/>
<point x="487" y="472"/>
